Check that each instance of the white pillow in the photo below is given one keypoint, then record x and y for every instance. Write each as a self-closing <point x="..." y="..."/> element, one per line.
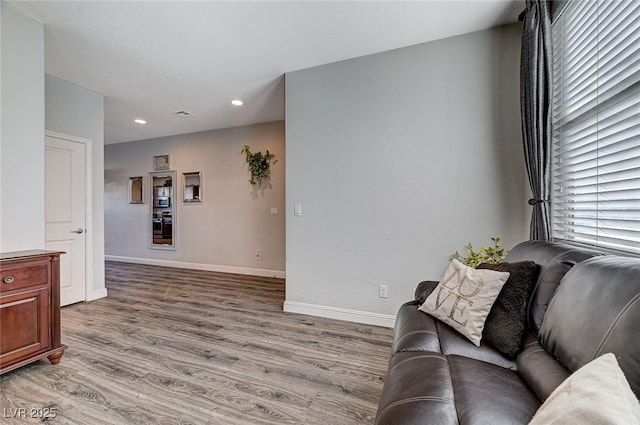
<point x="464" y="297"/>
<point x="596" y="394"/>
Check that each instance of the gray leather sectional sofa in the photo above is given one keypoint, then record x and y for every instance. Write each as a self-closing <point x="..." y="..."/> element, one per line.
<point x="583" y="304"/>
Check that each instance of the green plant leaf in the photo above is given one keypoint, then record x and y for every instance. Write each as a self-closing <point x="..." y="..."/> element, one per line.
<point x="487" y="254"/>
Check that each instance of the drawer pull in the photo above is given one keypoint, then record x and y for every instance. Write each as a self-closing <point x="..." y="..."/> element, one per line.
<point x="8" y="279"/>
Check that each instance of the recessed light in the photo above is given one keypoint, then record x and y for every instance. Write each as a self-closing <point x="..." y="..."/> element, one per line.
<point x="237" y="102"/>
<point x="139" y="121"/>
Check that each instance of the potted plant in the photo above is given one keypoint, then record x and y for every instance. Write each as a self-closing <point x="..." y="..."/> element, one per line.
<point x="492" y="254"/>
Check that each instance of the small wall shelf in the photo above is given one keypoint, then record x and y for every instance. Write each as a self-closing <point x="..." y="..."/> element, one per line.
<point x="192" y="186"/>
<point x="136" y="189"/>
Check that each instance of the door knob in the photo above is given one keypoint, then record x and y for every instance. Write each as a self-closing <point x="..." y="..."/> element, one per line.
<point x="78" y="230"/>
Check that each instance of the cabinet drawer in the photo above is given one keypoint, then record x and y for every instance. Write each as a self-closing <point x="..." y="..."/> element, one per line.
<point x="23" y="277"/>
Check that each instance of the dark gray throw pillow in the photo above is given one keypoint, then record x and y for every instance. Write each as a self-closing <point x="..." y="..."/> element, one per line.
<point x="507" y="321"/>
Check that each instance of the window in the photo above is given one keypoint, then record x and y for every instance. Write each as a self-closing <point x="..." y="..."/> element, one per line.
<point x="596" y="124"/>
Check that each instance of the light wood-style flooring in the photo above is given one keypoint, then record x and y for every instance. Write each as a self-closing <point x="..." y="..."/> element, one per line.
<point x="175" y="346"/>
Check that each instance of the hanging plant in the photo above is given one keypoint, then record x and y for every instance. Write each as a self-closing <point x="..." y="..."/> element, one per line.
<point x="259" y="164"/>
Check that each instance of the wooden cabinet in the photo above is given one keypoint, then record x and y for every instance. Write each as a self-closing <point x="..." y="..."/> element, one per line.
<point x="29" y="308"/>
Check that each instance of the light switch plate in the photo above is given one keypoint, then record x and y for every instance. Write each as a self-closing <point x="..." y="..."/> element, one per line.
<point x="383" y="291"/>
<point x="274" y="210"/>
<point x="297" y="210"/>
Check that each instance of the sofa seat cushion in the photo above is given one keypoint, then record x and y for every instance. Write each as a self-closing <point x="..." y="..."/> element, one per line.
<point x="417" y="390"/>
<point x="487" y="394"/>
<point x="539" y="369"/>
<point x="452" y="343"/>
<point x="414" y="330"/>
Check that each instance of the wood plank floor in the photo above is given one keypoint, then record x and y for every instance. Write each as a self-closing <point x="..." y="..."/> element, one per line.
<point x="175" y="346"/>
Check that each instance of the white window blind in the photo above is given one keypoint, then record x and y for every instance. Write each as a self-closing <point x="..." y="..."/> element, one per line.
<point x="596" y="124"/>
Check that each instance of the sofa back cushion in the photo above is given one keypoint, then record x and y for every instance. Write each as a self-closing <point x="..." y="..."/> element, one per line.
<point x="554" y="260"/>
<point x="596" y="310"/>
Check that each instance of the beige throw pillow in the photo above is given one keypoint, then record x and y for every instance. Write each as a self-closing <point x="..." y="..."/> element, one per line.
<point x="596" y="394"/>
<point x="464" y="297"/>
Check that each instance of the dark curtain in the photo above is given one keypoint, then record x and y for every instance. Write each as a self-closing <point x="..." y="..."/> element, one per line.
<point x="535" y="104"/>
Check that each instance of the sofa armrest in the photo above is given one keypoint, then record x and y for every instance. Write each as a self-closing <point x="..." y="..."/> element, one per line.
<point x="424" y="289"/>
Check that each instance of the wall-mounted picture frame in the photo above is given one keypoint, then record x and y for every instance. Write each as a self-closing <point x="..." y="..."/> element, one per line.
<point x="161" y="163"/>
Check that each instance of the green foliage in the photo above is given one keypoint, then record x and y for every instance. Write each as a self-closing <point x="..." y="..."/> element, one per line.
<point x="258" y="164"/>
<point x="487" y="254"/>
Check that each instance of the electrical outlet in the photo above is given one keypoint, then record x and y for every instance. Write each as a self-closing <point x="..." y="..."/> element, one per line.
<point x="258" y="255"/>
<point x="383" y="291"/>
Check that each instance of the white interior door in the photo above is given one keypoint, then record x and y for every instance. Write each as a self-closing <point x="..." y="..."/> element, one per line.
<point x="65" y="175"/>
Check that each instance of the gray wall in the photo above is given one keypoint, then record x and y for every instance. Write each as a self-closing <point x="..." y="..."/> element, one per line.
<point x="22" y="132"/>
<point x="223" y="232"/>
<point x="77" y="111"/>
<point x="399" y="159"/>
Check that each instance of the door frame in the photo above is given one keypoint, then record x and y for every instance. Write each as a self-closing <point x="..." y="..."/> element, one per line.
<point x="88" y="208"/>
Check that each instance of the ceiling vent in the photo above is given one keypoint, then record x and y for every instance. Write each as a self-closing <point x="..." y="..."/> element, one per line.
<point x="183" y="114"/>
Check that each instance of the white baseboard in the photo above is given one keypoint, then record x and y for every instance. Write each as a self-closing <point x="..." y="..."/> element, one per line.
<point x="198" y="266"/>
<point x="96" y="294"/>
<point x="366" y="317"/>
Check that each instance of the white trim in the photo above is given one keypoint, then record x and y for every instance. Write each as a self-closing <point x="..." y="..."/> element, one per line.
<point x="88" y="208"/>
<point x="366" y="317"/>
<point x="198" y="266"/>
<point x="96" y="294"/>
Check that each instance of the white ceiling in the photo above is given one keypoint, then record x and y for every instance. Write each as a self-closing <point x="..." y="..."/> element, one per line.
<point x="151" y="58"/>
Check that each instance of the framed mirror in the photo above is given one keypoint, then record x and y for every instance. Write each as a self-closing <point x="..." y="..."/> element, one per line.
<point x="163" y="210"/>
<point x="136" y="188"/>
<point x="192" y="183"/>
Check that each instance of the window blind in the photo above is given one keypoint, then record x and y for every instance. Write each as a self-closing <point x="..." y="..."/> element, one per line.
<point x="596" y="124"/>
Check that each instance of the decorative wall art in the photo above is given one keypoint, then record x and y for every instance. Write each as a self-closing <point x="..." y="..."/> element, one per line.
<point x="161" y="163"/>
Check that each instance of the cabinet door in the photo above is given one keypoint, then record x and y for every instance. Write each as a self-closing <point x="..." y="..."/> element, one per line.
<point x="25" y="324"/>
